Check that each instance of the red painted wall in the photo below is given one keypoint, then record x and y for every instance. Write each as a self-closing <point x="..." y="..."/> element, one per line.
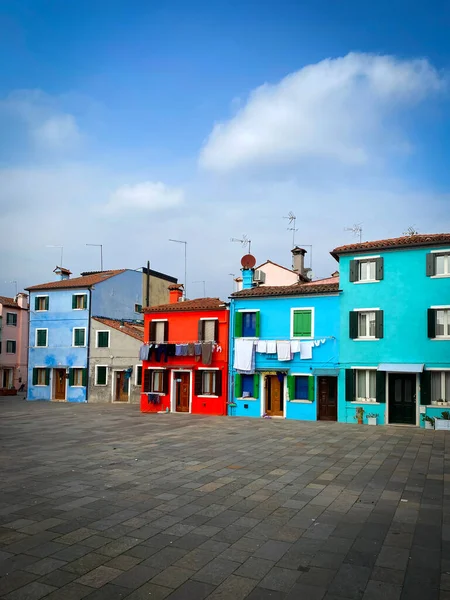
<point x="183" y="329"/>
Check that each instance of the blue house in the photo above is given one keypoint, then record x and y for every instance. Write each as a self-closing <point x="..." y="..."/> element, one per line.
<point x="60" y="313"/>
<point x="284" y="349"/>
<point x="395" y="329"/>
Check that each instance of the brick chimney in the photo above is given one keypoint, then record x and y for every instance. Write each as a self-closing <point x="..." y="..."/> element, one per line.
<point x="22" y="300"/>
<point x="175" y="292"/>
<point x="298" y="261"/>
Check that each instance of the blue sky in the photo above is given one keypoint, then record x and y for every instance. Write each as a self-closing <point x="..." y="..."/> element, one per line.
<point x="126" y="123"/>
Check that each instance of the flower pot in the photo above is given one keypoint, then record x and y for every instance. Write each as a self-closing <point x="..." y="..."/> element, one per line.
<point x="428" y="425"/>
<point x="360" y="421"/>
<point x="371" y="420"/>
<point x="442" y="424"/>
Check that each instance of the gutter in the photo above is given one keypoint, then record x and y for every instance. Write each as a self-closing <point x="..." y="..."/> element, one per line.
<point x="88" y="349"/>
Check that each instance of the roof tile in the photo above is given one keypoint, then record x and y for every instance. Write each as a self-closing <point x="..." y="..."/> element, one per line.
<point x="430" y="239"/>
<point x="77" y="282"/>
<point x="330" y="285"/>
<point x="8" y="302"/>
<point x="131" y="329"/>
<point x="187" y="305"/>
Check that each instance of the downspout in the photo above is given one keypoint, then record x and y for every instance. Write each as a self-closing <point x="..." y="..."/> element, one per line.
<point x="231" y="358"/>
<point x="28" y="350"/>
<point x="147" y="299"/>
<point x="88" y="350"/>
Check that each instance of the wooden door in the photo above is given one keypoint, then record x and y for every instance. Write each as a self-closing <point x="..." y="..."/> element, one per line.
<point x="122" y="384"/>
<point x="327" y="395"/>
<point x="182" y="391"/>
<point x="402" y="398"/>
<point x="60" y="384"/>
<point x="274" y="396"/>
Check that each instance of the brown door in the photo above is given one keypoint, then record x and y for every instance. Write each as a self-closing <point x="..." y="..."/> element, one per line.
<point x="274" y="396"/>
<point x="327" y="395"/>
<point x="182" y="392"/>
<point x="60" y="384"/>
<point x="122" y="384"/>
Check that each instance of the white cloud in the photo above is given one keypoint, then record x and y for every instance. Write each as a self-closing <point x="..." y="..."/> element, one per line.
<point x="147" y="196"/>
<point x="338" y="109"/>
<point x="57" y="132"/>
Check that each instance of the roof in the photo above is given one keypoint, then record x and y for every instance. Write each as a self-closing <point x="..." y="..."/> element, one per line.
<point x="159" y="275"/>
<point x="132" y="329"/>
<point x="276" y="265"/>
<point x="8" y="302"/>
<point x="330" y="285"/>
<point x="430" y="239"/>
<point x="77" y="282"/>
<point x="197" y="304"/>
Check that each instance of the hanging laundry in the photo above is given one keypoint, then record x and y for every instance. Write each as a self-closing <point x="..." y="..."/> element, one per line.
<point x="244" y="356"/>
<point x="261" y="346"/>
<point x="284" y="351"/>
<point x="153" y="398"/>
<point x="207" y="353"/>
<point x="295" y="346"/>
<point x="143" y="352"/>
<point x="197" y="349"/>
<point x="218" y="348"/>
<point x="271" y="347"/>
<point x="184" y="349"/>
<point x="178" y="348"/>
<point x="316" y="343"/>
<point x="191" y="349"/>
<point x="306" y="350"/>
<point x="323" y="340"/>
<point x="171" y="349"/>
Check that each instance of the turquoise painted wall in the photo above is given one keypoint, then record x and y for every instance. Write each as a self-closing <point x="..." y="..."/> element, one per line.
<point x="404" y="294"/>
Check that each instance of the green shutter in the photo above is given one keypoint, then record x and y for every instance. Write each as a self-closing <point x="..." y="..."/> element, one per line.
<point x="353" y="272"/>
<point x="79" y="337"/>
<point x="291" y="386"/>
<point x="101" y="375"/>
<point x="71" y="376"/>
<point x="139" y="375"/>
<point x="238" y="385"/>
<point x="379" y="324"/>
<point x="431" y="265"/>
<point x="381" y="386"/>
<point x="36" y="303"/>
<point x="302" y="323"/>
<point x="84" y="300"/>
<point x="379" y="268"/>
<point x="103" y="339"/>
<point x="257" y="323"/>
<point x="353" y="324"/>
<point x="74" y="301"/>
<point x="350" y="375"/>
<point x="238" y="324"/>
<point x="47" y="376"/>
<point x="311" y="388"/>
<point x="431" y="322"/>
<point x="35" y="376"/>
<point x="256" y="385"/>
<point x="41" y="337"/>
<point x="425" y="388"/>
<point x="47" y="302"/>
<point x="84" y="377"/>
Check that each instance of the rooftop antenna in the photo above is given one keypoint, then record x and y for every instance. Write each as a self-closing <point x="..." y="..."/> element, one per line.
<point x="244" y="241"/>
<point x="356" y="229"/>
<point x="15" y="282"/>
<point x="57" y="246"/>
<point x="292" y="221"/>
<point x="233" y="275"/>
<point x="411" y="231"/>
<point x="204" y="286"/>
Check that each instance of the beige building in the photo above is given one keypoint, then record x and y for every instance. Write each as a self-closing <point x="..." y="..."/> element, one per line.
<point x="115" y="370"/>
<point x="155" y="287"/>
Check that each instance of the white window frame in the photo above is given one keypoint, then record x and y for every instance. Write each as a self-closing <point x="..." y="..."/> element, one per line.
<point x="212" y="394"/>
<point x="442" y="373"/>
<point x="96" y="338"/>
<point x="158" y="321"/>
<point x="368" y="279"/>
<point x="11" y="324"/>
<point x="211" y="319"/>
<point x="73" y="337"/>
<point x="365" y="399"/>
<point x="366" y="310"/>
<point x="446" y="273"/>
<point x="301" y="399"/>
<point x="42" y="296"/>
<point x="84" y="294"/>
<point x="249" y="310"/>
<point x="152" y="383"/>
<point x="446" y="310"/>
<point x="136" y="368"/>
<point x="6" y="347"/>
<point x="41" y="384"/>
<point x="96" y="376"/>
<point x="81" y="369"/>
<point x="36" y="337"/>
<point x="313" y="319"/>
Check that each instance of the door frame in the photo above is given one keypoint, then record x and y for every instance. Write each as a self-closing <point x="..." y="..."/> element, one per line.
<point x="317" y="396"/>
<point x="262" y="388"/>
<point x="173" y="399"/>
<point x="416" y="424"/>
<point x="53" y="383"/>
<point x="113" y="387"/>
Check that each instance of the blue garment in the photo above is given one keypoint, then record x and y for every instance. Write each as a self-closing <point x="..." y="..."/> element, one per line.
<point x="178" y="350"/>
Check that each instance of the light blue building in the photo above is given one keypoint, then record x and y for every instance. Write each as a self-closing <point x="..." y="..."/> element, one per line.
<point x="279" y="321"/>
<point x="395" y="329"/>
<point x="60" y="313"/>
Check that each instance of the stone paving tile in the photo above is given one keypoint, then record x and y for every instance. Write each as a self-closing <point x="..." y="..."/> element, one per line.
<point x="32" y="591"/>
<point x="99" y="576"/>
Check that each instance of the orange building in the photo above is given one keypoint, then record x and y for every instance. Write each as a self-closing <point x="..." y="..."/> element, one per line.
<point x="185" y="356"/>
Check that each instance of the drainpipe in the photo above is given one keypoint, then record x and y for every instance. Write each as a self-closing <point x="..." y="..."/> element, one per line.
<point x="88" y="348"/>
<point x="231" y="355"/>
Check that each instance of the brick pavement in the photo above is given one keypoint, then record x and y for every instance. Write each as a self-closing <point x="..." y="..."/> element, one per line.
<point x="102" y="502"/>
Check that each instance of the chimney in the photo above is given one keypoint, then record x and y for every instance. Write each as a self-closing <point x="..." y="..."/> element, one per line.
<point x="335" y="274"/>
<point x="247" y="278"/>
<point x="62" y="272"/>
<point x="175" y="292"/>
<point x="298" y="261"/>
<point x="22" y="300"/>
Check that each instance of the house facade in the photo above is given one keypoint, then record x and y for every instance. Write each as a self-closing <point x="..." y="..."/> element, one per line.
<point x="13" y="341"/>
<point x="115" y="372"/>
<point x="284" y="350"/>
<point x="185" y="356"/>
<point x="270" y="273"/>
<point x="395" y="329"/>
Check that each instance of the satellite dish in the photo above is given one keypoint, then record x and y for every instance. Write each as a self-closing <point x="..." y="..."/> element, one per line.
<point x="248" y="261"/>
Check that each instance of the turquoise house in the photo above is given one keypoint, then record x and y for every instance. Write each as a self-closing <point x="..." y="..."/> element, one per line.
<point x="292" y="335"/>
<point x="395" y="329"/>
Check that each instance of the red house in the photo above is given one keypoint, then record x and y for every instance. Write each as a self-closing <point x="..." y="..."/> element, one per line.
<point x="185" y="356"/>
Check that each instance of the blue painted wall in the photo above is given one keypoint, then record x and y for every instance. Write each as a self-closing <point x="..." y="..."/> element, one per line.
<point x="115" y="297"/>
<point x="275" y="324"/>
<point x="404" y="294"/>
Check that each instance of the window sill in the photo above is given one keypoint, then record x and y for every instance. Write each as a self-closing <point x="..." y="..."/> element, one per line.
<point x="78" y="346"/>
<point x="441" y="338"/>
<point x="368" y="339"/>
<point x="367" y="281"/>
<point x="41" y="310"/>
<point x="207" y="396"/>
<point x="443" y="276"/>
<point x="41" y="385"/>
<point x="100" y="384"/>
<point x="301" y="401"/>
<point x="157" y="393"/>
<point x="77" y="386"/>
<point x="79" y="308"/>
<point x="359" y="402"/>
<point x="250" y="399"/>
<point x="41" y="346"/>
<point x="440" y="405"/>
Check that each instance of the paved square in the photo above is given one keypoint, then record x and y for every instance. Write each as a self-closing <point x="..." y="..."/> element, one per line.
<point x="106" y="502"/>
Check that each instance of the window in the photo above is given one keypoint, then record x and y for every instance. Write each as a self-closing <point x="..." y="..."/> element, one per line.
<point x="208" y="330"/>
<point x="247" y="323"/>
<point x="138" y="375"/>
<point x="366" y="324"/>
<point x="101" y="375"/>
<point x="10" y="346"/>
<point x="11" y="319"/>
<point x="367" y="269"/>
<point x="138" y="308"/>
<point x="77" y="377"/>
<point x="159" y="331"/>
<point x="41" y="376"/>
<point x="41" y="337"/>
<point x="79" y="301"/>
<point x="440" y="386"/>
<point x="301" y="387"/>
<point x="438" y="264"/>
<point x="102" y="339"/>
<point x="443" y="323"/>
<point x="41" y="303"/>
<point x="302" y="322"/>
<point x="366" y="385"/>
<point x="79" y="336"/>
<point x="155" y="381"/>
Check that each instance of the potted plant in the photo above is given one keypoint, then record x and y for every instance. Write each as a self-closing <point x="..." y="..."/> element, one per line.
<point x="443" y="422"/>
<point x="359" y="415"/>
<point x="429" y="421"/>
<point x="372" y="419"/>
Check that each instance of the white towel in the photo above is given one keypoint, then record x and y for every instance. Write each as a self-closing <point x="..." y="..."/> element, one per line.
<point x="316" y="343"/>
<point x="322" y="341"/>
<point x="261" y="346"/>
<point x="284" y="351"/>
<point x="271" y="347"/>
<point x="244" y="356"/>
<point x="306" y="350"/>
<point x="295" y="346"/>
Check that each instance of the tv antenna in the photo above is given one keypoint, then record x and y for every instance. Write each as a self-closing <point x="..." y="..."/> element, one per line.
<point x="292" y="222"/>
<point x="244" y="241"/>
<point x="356" y="229"/>
<point x="204" y="286"/>
<point x="411" y="231"/>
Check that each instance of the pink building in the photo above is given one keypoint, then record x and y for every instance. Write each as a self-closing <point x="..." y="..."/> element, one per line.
<point x="13" y="341"/>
